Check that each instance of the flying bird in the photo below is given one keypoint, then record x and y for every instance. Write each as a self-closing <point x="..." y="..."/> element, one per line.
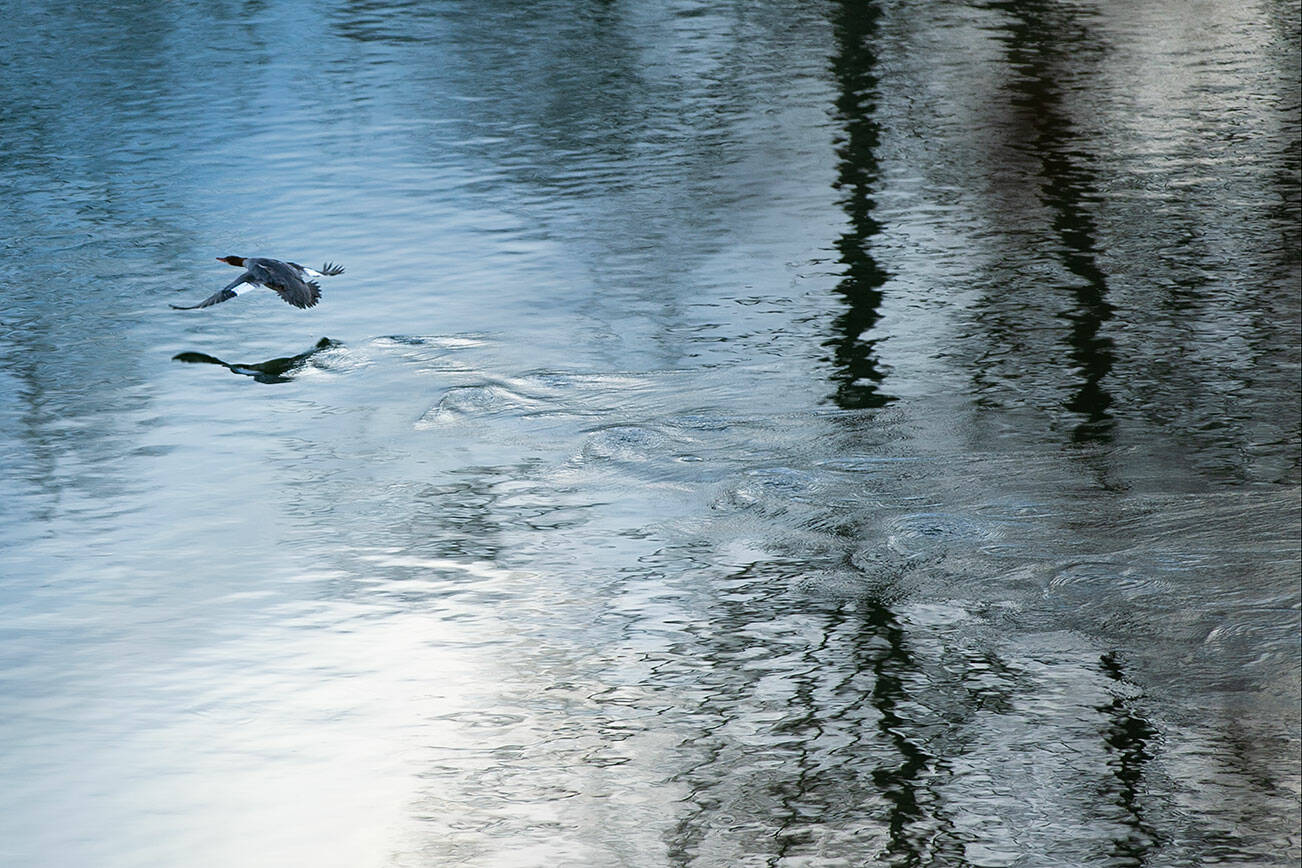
<point x="292" y="282"/>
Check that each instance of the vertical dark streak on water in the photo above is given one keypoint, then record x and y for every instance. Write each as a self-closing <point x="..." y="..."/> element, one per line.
<point x="853" y="757"/>
<point x="899" y="783"/>
<point x="1127" y="740"/>
<point x="1037" y="40"/>
<point x="814" y="793"/>
<point x="857" y="368"/>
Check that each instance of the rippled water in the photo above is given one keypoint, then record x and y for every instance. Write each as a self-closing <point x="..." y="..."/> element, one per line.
<point x="746" y="434"/>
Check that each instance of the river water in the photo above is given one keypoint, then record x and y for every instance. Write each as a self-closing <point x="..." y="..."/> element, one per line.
<point x="746" y="434"/>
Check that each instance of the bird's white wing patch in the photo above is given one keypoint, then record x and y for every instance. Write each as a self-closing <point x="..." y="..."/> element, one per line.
<point x="312" y="272"/>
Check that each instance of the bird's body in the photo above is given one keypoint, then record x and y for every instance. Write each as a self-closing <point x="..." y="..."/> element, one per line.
<point x="292" y="282"/>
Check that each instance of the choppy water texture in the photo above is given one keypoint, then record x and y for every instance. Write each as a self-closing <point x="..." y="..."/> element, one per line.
<point x="747" y="433"/>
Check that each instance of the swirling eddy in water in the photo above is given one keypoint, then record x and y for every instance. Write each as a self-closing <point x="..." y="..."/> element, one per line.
<point x="292" y="282"/>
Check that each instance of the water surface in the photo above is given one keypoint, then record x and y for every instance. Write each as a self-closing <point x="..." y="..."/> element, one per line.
<point x="746" y="434"/>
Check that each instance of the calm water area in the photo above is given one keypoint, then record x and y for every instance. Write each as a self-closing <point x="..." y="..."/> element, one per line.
<point x="747" y="433"/>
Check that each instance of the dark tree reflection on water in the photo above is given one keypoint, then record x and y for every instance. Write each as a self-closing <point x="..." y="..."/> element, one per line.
<point x="1039" y="37"/>
<point x="858" y="371"/>
<point x="917" y="827"/>
<point x="1129" y="738"/>
<point x="856" y="754"/>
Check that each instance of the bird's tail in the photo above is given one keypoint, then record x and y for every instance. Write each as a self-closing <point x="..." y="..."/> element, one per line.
<point x="330" y="269"/>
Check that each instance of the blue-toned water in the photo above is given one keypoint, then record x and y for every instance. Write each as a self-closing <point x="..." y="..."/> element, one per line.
<point x="749" y="433"/>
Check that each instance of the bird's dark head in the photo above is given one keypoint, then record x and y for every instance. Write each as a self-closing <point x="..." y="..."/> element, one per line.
<point x="232" y="260"/>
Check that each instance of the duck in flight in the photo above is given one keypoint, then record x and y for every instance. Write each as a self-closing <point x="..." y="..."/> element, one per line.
<point x="292" y="282"/>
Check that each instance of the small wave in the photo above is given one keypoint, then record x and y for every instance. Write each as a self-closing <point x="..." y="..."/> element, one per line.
<point x="625" y="443"/>
<point x="923" y="531"/>
<point x="485" y="399"/>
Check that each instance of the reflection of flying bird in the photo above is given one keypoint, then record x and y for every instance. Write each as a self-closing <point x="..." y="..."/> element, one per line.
<point x="270" y="371"/>
<point x="291" y="281"/>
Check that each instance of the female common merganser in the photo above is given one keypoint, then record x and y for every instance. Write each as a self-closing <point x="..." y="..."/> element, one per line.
<point x="291" y="281"/>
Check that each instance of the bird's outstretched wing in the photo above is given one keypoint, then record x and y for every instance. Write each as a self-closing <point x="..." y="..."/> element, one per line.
<point x="299" y="293"/>
<point x="327" y="270"/>
<point x="226" y="293"/>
